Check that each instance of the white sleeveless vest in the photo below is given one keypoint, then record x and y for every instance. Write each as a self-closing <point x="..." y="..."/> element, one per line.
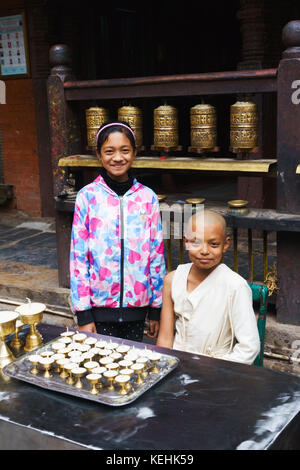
<point x="215" y="315"/>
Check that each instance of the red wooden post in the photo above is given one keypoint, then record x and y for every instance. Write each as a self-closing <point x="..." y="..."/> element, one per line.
<point x="288" y="183"/>
<point x="65" y="140"/>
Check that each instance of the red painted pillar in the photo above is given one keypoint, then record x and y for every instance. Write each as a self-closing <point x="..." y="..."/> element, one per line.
<point x="288" y="183"/>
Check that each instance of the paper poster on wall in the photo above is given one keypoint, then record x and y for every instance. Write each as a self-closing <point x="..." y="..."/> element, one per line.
<point x="13" y="46"/>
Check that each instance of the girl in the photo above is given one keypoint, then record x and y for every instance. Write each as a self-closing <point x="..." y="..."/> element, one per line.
<point x="116" y="262"/>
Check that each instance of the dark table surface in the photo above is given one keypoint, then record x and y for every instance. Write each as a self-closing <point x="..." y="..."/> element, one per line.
<point x="204" y="403"/>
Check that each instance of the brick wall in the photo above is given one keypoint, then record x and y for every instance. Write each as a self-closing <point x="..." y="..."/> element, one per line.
<point x="19" y="146"/>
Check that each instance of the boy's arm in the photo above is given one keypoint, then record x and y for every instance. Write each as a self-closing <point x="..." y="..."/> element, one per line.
<point x="167" y="319"/>
<point x="244" y="327"/>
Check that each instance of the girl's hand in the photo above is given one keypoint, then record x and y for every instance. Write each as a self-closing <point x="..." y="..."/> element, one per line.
<point x="90" y="327"/>
<point x="153" y="329"/>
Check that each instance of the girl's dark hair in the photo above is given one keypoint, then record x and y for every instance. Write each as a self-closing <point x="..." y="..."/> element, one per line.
<point x="118" y="126"/>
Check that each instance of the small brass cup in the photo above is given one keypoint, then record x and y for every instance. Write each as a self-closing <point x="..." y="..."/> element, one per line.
<point x="68" y="368"/>
<point x="110" y="376"/>
<point x="7" y="326"/>
<point x="100" y="371"/>
<point x="116" y="356"/>
<point x="125" y="363"/>
<point x="90" y="341"/>
<point x="78" y="360"/>
<point x="113" y="366"/>
<point x="46" y="363"/>
<point x="56" y="357"/>
<point x="123" y="349"/>
<point x="79" y="337"/>
<point x="35" y="360"/>
<point x="138" y="369"/>
<point x="104" y="361"/>
<point x="122" y="380"/>
<point x="57" y="346"/>
<point x="145" y="362"/>
<point x="154" y="358"/>
<point x="61" y="364"/>
<point x="129" y="372"/>
<point x="31" y="314"/>
<point x="67" y="333"/>
<point x="112" y="345"/>
<point x="90" y="365"/>
<point x="93" y="379"/>
<point x="78" y="372"/>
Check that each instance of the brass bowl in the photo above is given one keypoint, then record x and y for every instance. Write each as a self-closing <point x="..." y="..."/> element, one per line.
<point x="238" y="207"/>
<point x="195" y="200"/>
<point x="237" y="203"/>
<point x="7" y="326"/>
<point x="31" y="313"/>
<point x="7" y="322"/>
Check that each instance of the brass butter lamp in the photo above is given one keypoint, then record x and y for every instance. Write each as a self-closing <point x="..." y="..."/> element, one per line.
<point x="128" y="372"/>
<point x="35" y="360"/>
<point x="78" y="372"/>
<point x="93" y="379"/>
<point x="144" y="361"/>
<point x="122" y="380"/>
<point x="7" y="326"/>
<point x="31" y="314"/>
<point x="17" y="343"/>
<point x="138" y="369"/>
<point x="154" y="358"/>
<point x="110" y="376"/>
<point x="46" y="363"/>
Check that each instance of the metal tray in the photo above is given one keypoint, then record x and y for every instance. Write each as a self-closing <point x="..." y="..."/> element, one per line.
<point x="20" y="369"/>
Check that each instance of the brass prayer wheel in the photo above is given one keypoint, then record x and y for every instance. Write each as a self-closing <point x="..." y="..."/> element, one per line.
<point x="134" y="117"/>
<point x="165" y="127"/>
<point x="95" y="117"/>
<point x="203" y="119"/>
<point x="243" y="126"/>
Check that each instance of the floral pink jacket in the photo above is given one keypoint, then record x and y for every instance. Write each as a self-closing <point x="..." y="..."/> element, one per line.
<point x="116" y="257"/>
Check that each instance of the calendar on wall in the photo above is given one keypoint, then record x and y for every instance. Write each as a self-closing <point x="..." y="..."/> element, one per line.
<point x="14" y="58"/>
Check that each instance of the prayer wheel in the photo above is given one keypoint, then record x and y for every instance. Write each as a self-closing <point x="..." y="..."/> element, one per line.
<point x="165" y="127"/>
<point x="95" y="117"/>
<point x="243" y="127"/>
<point x="203" y="119"/>
<point x="133" y="116"/>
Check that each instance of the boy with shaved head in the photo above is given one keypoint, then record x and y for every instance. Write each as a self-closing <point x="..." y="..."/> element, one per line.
<point x="207" y="304"/>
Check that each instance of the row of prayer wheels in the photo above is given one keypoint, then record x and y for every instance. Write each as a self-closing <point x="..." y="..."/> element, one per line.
<point x="203" y="126"/>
